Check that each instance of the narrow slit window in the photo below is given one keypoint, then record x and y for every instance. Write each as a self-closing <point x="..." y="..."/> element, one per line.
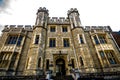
<point x="81" y="39"/>
<point x="37" y="39"/>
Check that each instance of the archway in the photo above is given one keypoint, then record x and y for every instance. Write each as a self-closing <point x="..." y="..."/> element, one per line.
<point x="60" y="67"/>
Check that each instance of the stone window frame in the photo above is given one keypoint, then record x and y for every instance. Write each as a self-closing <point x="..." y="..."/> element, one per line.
<point x="63" y="41"/>
<point x="38" y="39"/>
<point x="52" y="26"/>
<point x="81" y="61"/>
<point x="102" y="39"/>
<point x="5" y="57"/>
<point x="49" y="41"/>
<point x="39" y="62"/>
<point x="111" y="56"/>
<point x="97" y="40"/>
<point x="72" y="62"/>
<point x="47" y="64"/>
<point x="83" y="38"/>
<point x="106" y="58"/>
<point x="64" y="26"/>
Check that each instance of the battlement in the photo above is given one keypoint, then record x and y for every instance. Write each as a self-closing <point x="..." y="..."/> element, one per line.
<point x="72" y="10"/>
<point x="58" y="20"/>
<point x="26" y="27"/>
<point x="42" y="9"/>
<point x="105" y="28"/>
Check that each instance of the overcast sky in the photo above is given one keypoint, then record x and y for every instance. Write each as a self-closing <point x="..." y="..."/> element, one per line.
<point x="92" y="12"/>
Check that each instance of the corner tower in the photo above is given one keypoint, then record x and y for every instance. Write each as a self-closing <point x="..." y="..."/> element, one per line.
<point x="42" y="16"/>
<point x="79" y="41"/>
<point x="36" y="55"/>
<point x="73" y="16"/>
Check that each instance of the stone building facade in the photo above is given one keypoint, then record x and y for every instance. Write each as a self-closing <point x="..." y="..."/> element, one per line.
<point x="57" y="44"/>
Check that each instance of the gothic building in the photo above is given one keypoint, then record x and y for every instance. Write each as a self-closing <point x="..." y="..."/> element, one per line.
<point x="57" y="44"/>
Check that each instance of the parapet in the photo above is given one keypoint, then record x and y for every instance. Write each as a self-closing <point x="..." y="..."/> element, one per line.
<point x="25" y="27"/>
<point x="42" y="9"/>
<point x="58" y="20"/>
<point x="90" y="28"/>
<point x="72" y="10"/>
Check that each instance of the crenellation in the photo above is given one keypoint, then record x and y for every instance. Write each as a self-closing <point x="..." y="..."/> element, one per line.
<point x="89" y="28"/>
<point x="26" y="27"/>
<point x="20" y="26"/>
<point x="42" y="9"/>
<point x="72" y="10"/>
<point x="12" y="26"/>
<point x="58" y="20"/>
<point x="58" y="41"/>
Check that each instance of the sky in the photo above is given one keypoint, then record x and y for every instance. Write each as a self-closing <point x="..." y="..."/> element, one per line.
<point x="92" y="12"/>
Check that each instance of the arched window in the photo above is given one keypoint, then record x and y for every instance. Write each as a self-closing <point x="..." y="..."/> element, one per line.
<point x="72" y="60"/>
<point x="47" y="64"/>
<point x="81" y="61"/>
<point x="39" y="62"/>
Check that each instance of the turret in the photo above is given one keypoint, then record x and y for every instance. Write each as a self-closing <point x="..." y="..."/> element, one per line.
<point x="42" y="17"/>
<point x="73" y="16"/>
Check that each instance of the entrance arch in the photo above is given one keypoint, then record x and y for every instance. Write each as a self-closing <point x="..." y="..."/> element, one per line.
<point x="60" y="67"/>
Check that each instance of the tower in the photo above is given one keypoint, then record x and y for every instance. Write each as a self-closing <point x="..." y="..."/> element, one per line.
<point x="73" y="16"/>
<point x="81" y="49"/>
<point x="36" y="53"/>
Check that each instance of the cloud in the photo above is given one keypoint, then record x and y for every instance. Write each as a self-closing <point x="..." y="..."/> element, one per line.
<point x="5" y="6"/>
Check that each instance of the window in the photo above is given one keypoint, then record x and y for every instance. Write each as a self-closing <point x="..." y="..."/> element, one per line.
<point x="96" y="40"/>
<point x="4" y="59"/>
<point x="111" y="57"/>
<point x="81" y="61"/>
<point x="12" y="40"/>
<point x="52" y="29"/>
<point x="102" y="54"/>
<point x="19" y="40"/>
<point x="39" y="62"/>
<point x="66" y="42"/>
<point x="81" y="39"/>
<point x="47" y="64"/>
<point x="64" y="29"/>
<point x="13" y="60"/>
<point x="37" y="39"/>
<point x="52" y="42"/>
<point x="102" y="39"/>
<point x="73" y="66"/>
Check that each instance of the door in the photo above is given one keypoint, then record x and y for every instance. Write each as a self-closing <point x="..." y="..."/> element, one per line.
<point x="60" y="67"/>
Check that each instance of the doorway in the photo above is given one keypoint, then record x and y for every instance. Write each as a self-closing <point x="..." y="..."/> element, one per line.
<point x="60" y="67"/>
